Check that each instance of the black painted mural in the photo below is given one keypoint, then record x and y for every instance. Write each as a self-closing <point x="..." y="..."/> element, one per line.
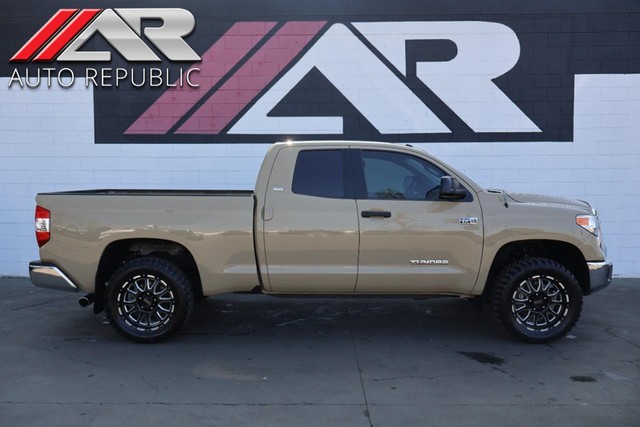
<point x="410" y="71"/>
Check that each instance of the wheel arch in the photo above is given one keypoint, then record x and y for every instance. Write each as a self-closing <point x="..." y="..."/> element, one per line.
<point x="564" y="253"/>
<point x="121" y="251"/>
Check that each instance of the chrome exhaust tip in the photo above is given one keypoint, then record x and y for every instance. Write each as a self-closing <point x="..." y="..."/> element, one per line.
<point x="86" y="300"/>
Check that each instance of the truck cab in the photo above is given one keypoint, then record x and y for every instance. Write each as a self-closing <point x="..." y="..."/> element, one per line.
<point x="367" y="218"/>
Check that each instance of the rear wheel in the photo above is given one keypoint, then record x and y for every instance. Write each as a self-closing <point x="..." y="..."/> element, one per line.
<point x="537" y="300"/>
<point x="148" y="299"/>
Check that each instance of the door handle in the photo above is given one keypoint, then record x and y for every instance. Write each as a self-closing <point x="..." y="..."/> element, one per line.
<point x="267" y="213"/>
<point x="381" y="214"/>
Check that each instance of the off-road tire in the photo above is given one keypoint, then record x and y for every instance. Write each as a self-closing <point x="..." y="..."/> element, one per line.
<point x="559" y="304"/>
<point x="148" y="299"/>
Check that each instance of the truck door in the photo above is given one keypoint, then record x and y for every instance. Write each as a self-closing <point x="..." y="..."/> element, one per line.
<point x="410" y="240"/>
<point x="310" y="222"/>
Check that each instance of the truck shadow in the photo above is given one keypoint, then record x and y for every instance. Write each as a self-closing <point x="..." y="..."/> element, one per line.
<point x="260" y="315"/>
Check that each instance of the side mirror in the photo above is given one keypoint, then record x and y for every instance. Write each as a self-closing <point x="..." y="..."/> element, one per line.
<point x="450" y="189"/>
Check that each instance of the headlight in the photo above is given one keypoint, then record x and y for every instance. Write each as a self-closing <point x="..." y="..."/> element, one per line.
<point x="589" y="223"/>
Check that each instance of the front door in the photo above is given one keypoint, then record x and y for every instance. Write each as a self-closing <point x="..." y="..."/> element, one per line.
<point x="410" y="240"/>
<point x="310" y="223"/>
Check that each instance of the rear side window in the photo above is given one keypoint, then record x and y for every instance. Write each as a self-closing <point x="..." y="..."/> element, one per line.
<point x="319" y="173"/>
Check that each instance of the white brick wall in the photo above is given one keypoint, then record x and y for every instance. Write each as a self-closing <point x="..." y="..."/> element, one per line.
<point x="46" y="144"/>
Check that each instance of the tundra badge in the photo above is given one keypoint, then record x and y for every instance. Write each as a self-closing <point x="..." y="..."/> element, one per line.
<point x="429" y="261"/>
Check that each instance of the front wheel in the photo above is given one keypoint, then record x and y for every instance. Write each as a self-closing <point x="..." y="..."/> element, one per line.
<point x="537" y="300"/>
<point x="148" y="299"/>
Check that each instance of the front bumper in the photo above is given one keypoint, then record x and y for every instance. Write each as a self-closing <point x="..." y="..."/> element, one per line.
<point x="45" y="275"/>
<point x="600" y="274"/>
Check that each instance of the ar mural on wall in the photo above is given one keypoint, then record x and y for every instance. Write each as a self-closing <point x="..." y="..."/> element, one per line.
<point x="414" y="79"/>
<point x="369" y="71"/>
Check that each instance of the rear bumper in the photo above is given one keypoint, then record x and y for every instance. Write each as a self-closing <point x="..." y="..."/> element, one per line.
<point x="45" y="275"/>
<point x="600" y="274"/>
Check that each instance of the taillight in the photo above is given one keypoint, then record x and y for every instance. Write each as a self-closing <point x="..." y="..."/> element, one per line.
<point x="43" y="224"/>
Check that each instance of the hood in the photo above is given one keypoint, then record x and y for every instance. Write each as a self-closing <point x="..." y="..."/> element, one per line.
<point x="539" y="199"/>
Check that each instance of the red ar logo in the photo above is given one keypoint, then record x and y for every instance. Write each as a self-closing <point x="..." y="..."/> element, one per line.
<point x="62" y="36"/>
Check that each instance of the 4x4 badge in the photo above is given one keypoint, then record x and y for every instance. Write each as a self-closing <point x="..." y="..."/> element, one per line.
<point x="468" y="220"/>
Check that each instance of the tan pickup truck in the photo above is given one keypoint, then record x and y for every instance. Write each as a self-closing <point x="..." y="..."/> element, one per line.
<point x="326" y="218"/>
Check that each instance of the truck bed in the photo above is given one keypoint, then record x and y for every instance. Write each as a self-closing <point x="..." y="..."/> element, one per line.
<point x="214" y="226"/>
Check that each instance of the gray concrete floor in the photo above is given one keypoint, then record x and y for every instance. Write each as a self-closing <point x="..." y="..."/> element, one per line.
<point x="257" y="360"/>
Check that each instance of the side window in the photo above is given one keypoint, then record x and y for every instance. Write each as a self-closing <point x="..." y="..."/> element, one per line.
<point x="390" y="175"/>
<point x="319" y="173"/>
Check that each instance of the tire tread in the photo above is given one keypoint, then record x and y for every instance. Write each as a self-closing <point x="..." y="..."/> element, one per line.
<point x="173" y="273"/>
<point x="502" y="288"/>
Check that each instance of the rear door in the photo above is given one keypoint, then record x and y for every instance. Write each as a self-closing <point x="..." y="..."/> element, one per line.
<point x="310" y="222"/>
<point x="410" y="240"/>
